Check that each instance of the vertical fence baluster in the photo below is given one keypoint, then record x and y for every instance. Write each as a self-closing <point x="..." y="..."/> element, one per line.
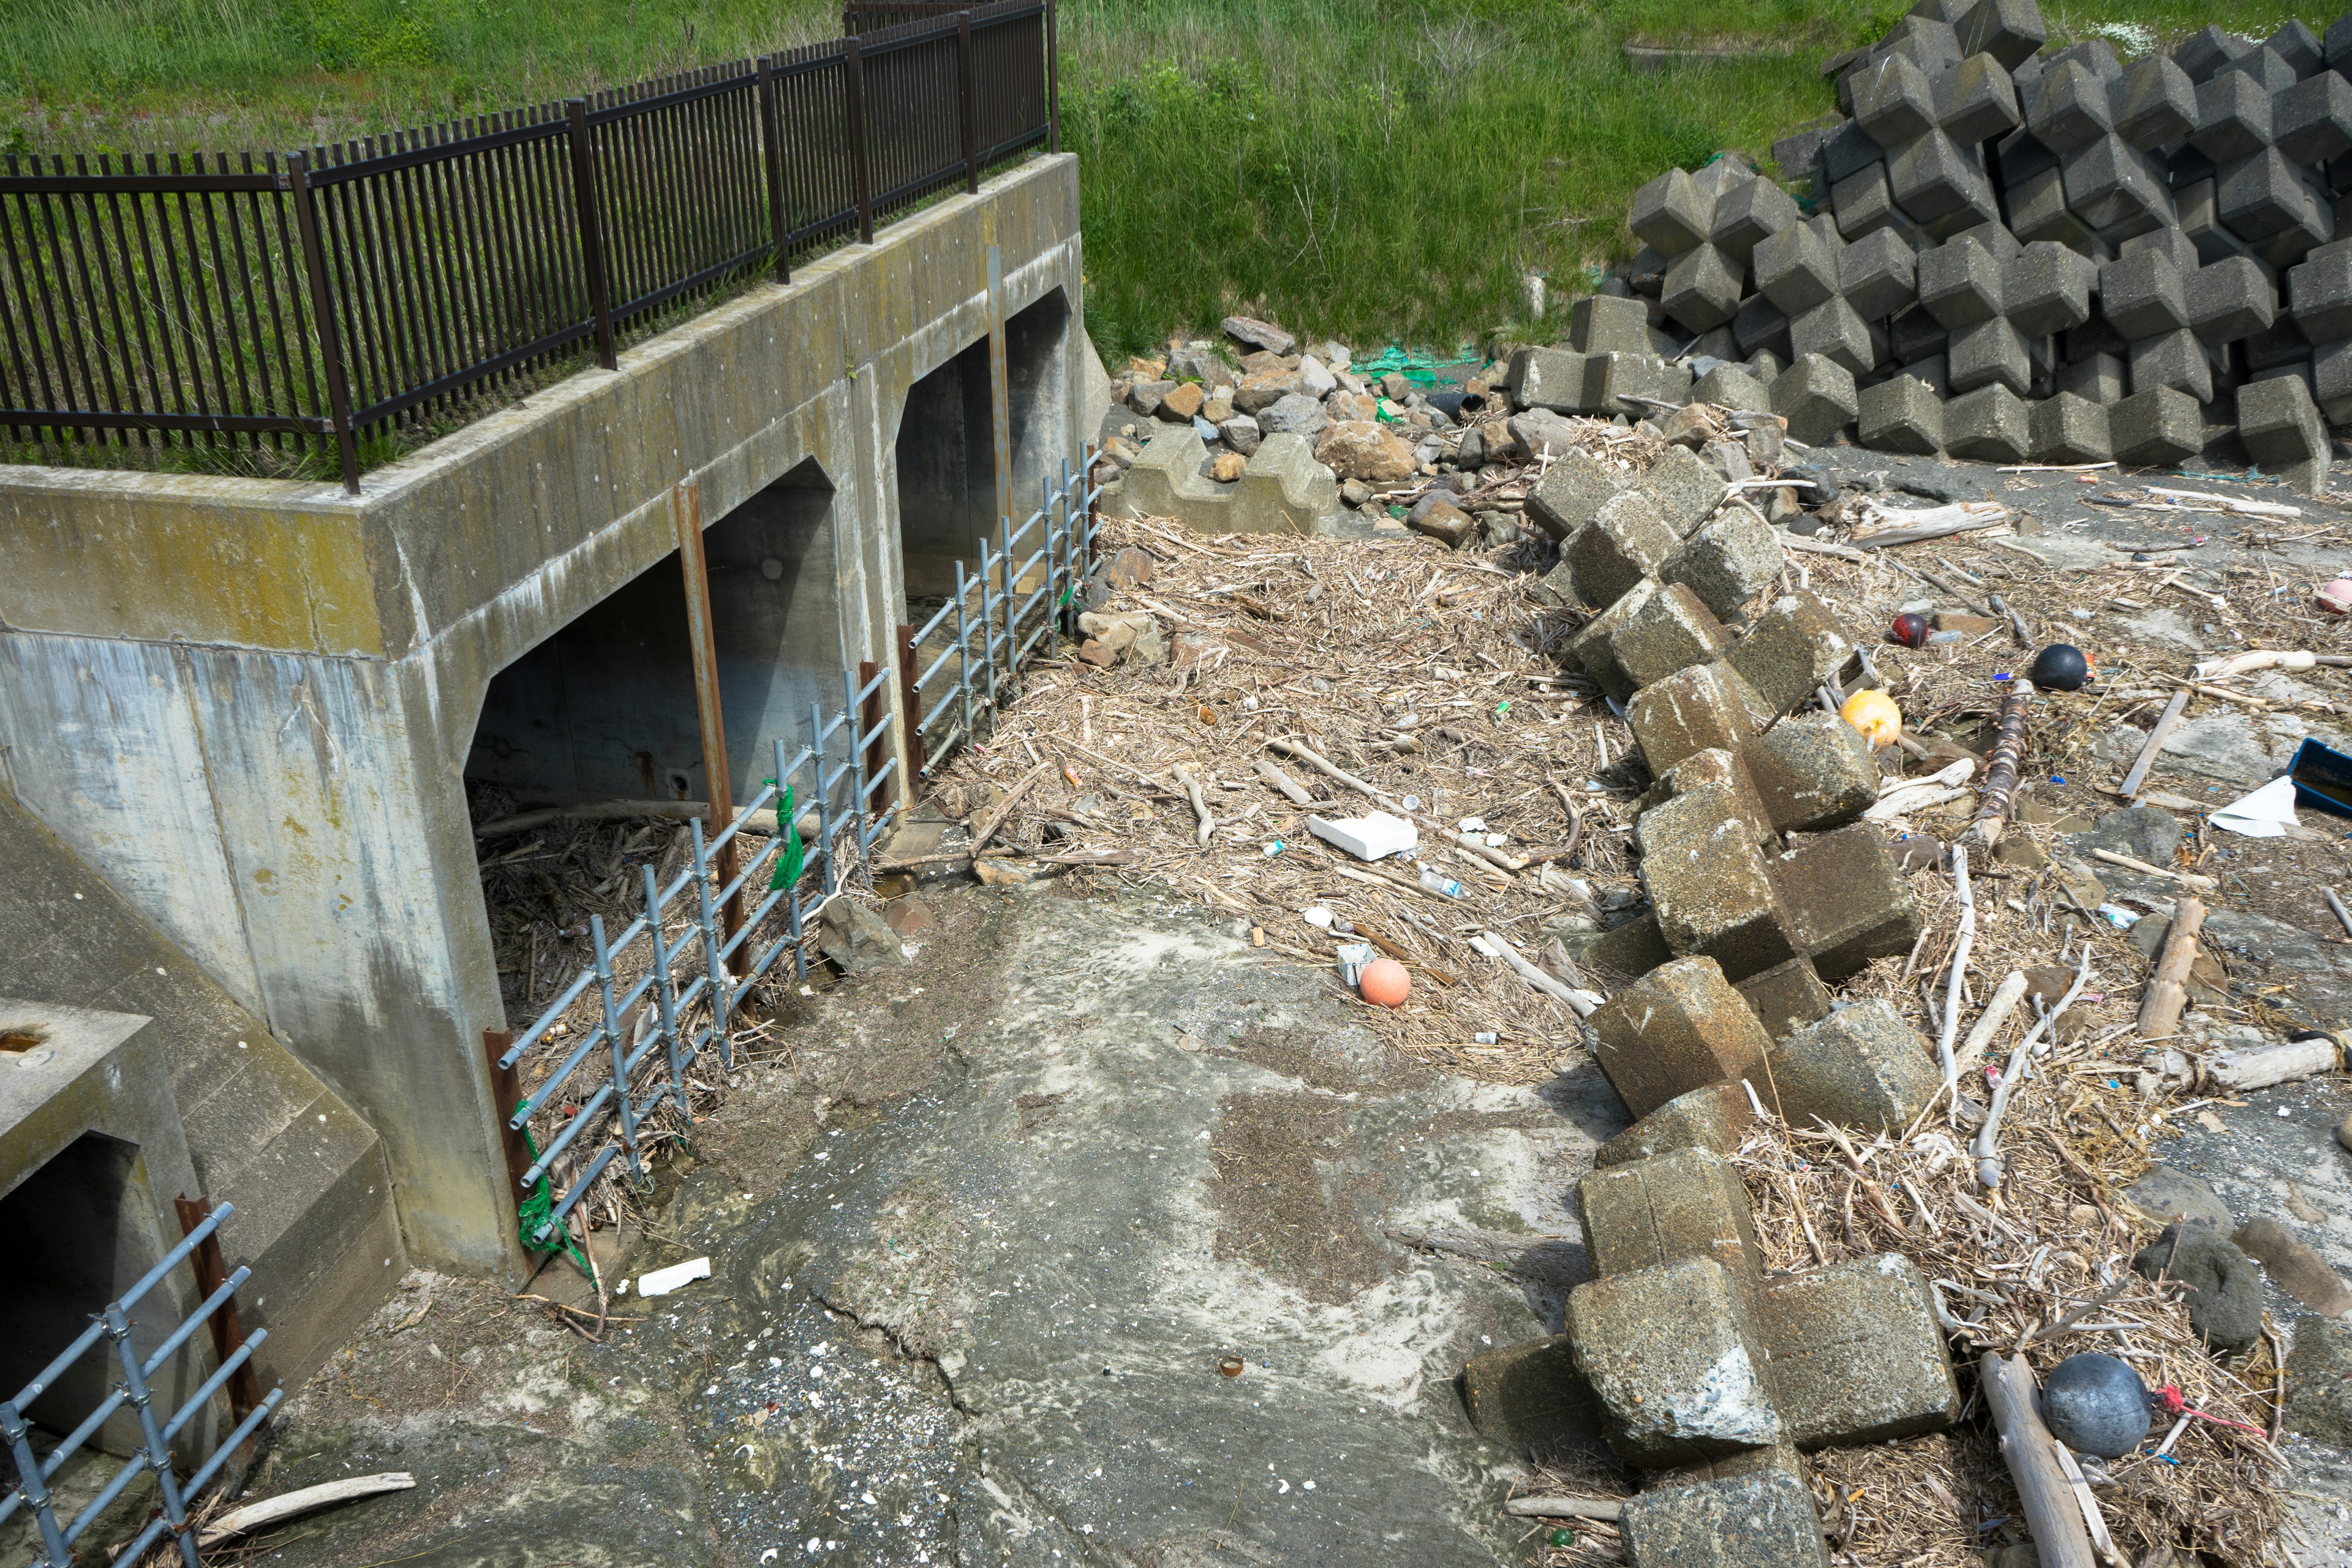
<point x="665" y="999"/>
<point x="722" y="993"/>
<point x="1053" y="85"/>
<point x="13" y="1427"/>
<point x="970" y="108"/>
<point x="151" y="1432"/>
<point x="963" y="650"/>
<point x="853" y="79"/>
<point x="1011" y="602"/>
<point x="771" y="163"/>
<point x="786" y="825"/>
<point x="584" y="209"/>
<point x="618" y="1047"/>
<point x="323" y="314"/>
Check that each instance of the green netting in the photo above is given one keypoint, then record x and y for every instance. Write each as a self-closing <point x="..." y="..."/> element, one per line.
<point x="788" y="862"/>
<point x="537" y="1211"/>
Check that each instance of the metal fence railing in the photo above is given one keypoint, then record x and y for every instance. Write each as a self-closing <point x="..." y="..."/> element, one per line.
<point x="159" y="1429"/>
<point x="994" y="617"/>
<point x="326" y="296"/>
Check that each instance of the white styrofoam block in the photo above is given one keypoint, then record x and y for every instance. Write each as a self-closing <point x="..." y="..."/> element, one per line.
<point x="1371" y="837"/>
<point x="662" y="1281"/>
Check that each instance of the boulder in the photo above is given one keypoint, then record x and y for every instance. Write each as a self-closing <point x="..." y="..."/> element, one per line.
<point x="1362" y="449"/>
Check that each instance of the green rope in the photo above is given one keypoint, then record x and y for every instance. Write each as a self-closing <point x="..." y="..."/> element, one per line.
<point x="788" y="862"/>
<point x="537" y="1211"/>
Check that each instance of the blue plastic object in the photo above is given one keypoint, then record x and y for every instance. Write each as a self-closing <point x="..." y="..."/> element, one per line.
<point x="2323" y="778"/>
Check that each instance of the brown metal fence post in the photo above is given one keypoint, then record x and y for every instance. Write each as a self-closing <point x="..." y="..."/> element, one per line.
<point x="506" y="1093"/>
<point x="591" y="238"/>
<point x="322" y="309"/>
<point x="771" y="163"/>
<point x="1052" y="84"/>
<point x="971" y="109"/>
<point x="1000" y="391"/>
<point x="910" y="709"/>
<point x="228" y="1332"/>
<point x="686" y="509"/>
<point x="854" y="93"/>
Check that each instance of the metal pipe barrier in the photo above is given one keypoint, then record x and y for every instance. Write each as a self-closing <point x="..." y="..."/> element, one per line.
<point x="156" y="1429"/>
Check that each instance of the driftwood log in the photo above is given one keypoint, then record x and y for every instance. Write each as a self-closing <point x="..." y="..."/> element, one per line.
<point x="2059" y="1537"/>
<point x="2167" y="993"/>
<point x="2000" y="773"/>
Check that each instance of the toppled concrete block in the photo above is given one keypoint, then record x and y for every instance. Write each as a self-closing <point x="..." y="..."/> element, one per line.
<point x="1571" y="494"/>
<point x="1532" y="1399"/>
<point x="1590" y="649"/>
<point x="1634" y="948"/>
<point x="1861" y="1066"/>
<point x="1685" y="488"/>
<point x="1855" y="1353"/>
<point x="1845" y="900"/>
<point x="1817" y="397"/>
<point x="1762" y="1519"/>
<point x="1719" y="769"/>
<point x="1787" y="996"/>
<point x="1609" y="324"/>
<point x="1634" y="385"/>
<point x="1794" y="646"/>
<point x="1693" y="710"/>
<point x="1814" y="771"/>
<point x="1689" y="1203"/>
<point x="1708" y="883"/>
<point x="1547" y="378"/>
<point x="1666" y="1348"/>
<point x="1671" y="213"/>
<point x="1669" y="631"/>
<point x="1625" y="542"/>
<point x="1715" y="1118"/>
<point x="1727" y="560"/>
<point x="2283" y="432"/>
<point x="1677" y="1029"/>
<point x="1901" y="415"/>
<point x="1728" y="387"/>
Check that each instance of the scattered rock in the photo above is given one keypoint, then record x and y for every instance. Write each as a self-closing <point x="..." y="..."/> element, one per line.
<point x="1360" y="450"/>
<point x="1242" y="433"/>
<point x="1295" y="414"/>
<point x="1144" y="397"/>
<point x="1314" y="379"/>
<point x="1538" y="430"/>
<point x="1181" y="403"/>
<point x="2300" y="1272"/>
<point x="1228" y="467"/>
<point x="2164" y="1194"/>
<point x="1218" y="406"/>
<point x="2344" y="1133"/>
<point x="1342" y="405"/>
<point x="1200" y="362"/>
<point x="859" y="938"/>
<point x="1131" y="568"/>
<point x="2225" y="1286"/>
<point x="1257" y="334"/>
<point x="1438" y="517"/>
<point x="1355" y="492"/>
<point x="2319" y="1381"/>
<point x="1264" y="390"/>
<point x="909" y="917"/>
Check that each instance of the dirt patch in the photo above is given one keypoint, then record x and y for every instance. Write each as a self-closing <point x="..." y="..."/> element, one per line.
<point x="1326" y="1061"/>
<point x="1277" y="1208"/>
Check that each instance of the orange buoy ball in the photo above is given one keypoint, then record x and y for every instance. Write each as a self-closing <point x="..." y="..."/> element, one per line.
<point x="1385" y="983"/>
<point x="1874" y="713"/>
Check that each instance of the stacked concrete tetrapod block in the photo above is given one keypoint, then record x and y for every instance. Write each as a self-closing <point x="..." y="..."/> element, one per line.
<point x="2019" y="252"/>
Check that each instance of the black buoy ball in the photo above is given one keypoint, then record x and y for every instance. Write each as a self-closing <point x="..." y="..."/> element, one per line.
<point x="2060" y="666"/>
<point x="2095" y="1404"/>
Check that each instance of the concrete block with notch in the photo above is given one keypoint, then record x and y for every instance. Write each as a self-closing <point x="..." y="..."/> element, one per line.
<point x="1626" y="541"/>
<point x="1715" y="1118"/>
<point x="1933" y="373"/>
<point x="2174" y="359"/>
<point x="2230" y="300"/>
<point x="1914" y="335"/>
<point x="1845" y="900"/>
<point x="2155" y="103"/>
<point x="2234" y="118"/>
<point x="1702" y="288"/>
<point x="1814" y="770"/>
<point x="1795" y="269"/>
<point x="1531" y="1399"/>
<point x="2158" y="427"/>
<point x="2201" y="226"/>
<point x="2319" y="294"/>
<point x="2112" y="187"/>
<point x="2066" y="428"/>
<point x="1730" y="387"/>
<point x="1589" y="650"/>
<point x="1727" y="560"/>
<point x="2141" y="294"/>
<point x="2335" y="43"/>
<point x="1817" y="397"/>
<point x="2312" y="120"/>
<point x="1685" y="488"/>
<point x="1669" y="631"/>
<point x="1975" y="102"/>
<point x="1697" y="708"/>
<point x="1633" y="949"/>
<point x="1929" y="41"/>
<point x="1761" y="327"/>
<point x="1902" y="415"/>
<point x="1721" y="770"/>
<point x="2047" y="288"/>
<point x="1708" y="887"/>
<point x="2205" y="52"/>
<point x="1863" y="201"/>
<point x="2095" y="378"/>
<point x="2017" y="157"/>
<point x="1686" y="1205"/>
<point x="1795" y="644"/>
<point x="1894" y="102"/>
<point x="1677" y="1029"/>
<point x="2270" y="71"/>
<point x="1987" y="353"/>
<point x="1634" y="385"/>
<point x="2282" y="343"/>
<point x="1986" y="425"/>
<point x="1834" y="330"/>
<point x="2331" y="379"/>
<point x="1787" y="996"/>
<point x="1571" y="494"/>
<point x="2283" y="430"/>
<point x="1671" y="214"/>
<point x="1934" y="177"/>
<point x="1748" y="214"/>
<point x="1847" y="151"/>
<point x="2299" y="46"/>
<point x="2011" y="31"/>
<point x="1545" y="378"/>
<point x="1856" y="1354"/>
<point x="2262" y="197"/>
<point x="1861" y="1066"/>
<point x="1666" y="1348"/>
<point x="2038" y="210"/>
<point x="1959" y="285"/>
<point x="1761" y="1517"/>
<point x="1609" y="324"/>
<point x="2068" y="108"/>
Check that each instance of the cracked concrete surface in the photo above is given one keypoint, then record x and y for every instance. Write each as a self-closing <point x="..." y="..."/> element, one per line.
<point x="980" y="1251"/>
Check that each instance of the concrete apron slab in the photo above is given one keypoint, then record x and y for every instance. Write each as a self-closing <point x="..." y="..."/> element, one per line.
<point x="977" y="1313"/>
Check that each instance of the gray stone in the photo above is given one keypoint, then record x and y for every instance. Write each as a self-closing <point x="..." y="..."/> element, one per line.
<point x="2292" y="1265"/>
<point x="2066" y="428"/>
<point x="1856" y="1354"/>
<point x="1702" y="288"/>
<point x="1795" y="270"/>
<point x="1679" y="1027"/>
<point x="1861" y="1066"/>
<point x="1296" y="415"/>
<point x="859" y="938"/>
<point x="1877" y="273"/>
<point x="1727" y="560"/>
<point x="1902" y="415"/>
<point x="1795" y="644"/>
<point x="2319" y="1379"/>
<point x="1666" y="1348"/>
<point x="2095" y="1404"/>
<point x="1685" y="488"/>
<point x="1764" y="1519"/>
<point x="1817" y="397"/>
<point x="1538" y="431"/>
<point x="1571" y="494"/>
<point x="1987" y="424"/>
<point x="1242" y="433"/>
<point x="1987" y="353"/>
<point x="2225" y="1288"/>
<point x="2156" y="428"/>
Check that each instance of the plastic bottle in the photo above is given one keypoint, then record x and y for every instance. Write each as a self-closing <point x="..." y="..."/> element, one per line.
<point x="1435" y="883"/>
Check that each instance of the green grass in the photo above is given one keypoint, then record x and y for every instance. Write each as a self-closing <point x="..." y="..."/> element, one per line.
<point x="1370" y="171"/>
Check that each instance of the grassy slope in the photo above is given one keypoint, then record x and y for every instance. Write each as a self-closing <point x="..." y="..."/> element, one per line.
<point x="1370" y="170"/>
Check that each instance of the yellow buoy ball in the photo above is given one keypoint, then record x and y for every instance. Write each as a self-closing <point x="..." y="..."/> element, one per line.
<point x="1874" y="713"/>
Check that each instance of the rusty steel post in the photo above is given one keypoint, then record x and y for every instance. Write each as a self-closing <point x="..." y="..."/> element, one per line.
<point x="686" y="510"/>
<point x="227" y="1330"/>
<point x="910" y="709"/>
<point x="506" y="1093"/>
<point x="999" y="392"/>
